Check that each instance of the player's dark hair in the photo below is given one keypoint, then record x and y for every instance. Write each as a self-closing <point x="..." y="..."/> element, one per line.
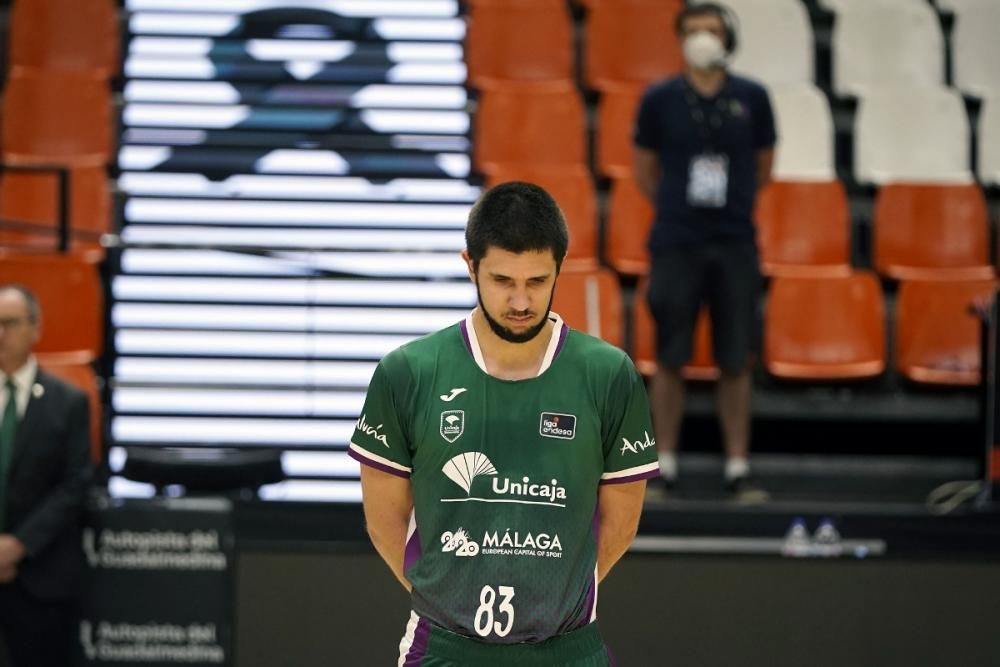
<point x="516" y="217"/>
<point x="725" y="15"/>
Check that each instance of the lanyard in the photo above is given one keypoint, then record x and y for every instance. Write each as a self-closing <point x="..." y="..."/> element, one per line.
<point x="708" y="127"/>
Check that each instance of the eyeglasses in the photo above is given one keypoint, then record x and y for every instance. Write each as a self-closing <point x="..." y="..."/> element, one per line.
<point x="11" y="322"/>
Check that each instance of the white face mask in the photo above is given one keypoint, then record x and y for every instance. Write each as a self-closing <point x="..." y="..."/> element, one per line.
<point x="704" y="50"/>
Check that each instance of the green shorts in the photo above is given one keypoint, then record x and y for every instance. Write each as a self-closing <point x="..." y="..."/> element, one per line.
<point x="427" y="645"/>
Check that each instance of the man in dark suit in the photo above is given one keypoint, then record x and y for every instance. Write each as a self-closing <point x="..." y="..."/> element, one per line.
<point x="44" y="472"/>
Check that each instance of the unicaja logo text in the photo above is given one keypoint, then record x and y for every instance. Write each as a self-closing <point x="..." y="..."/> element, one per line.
<point x="526" y="489"/>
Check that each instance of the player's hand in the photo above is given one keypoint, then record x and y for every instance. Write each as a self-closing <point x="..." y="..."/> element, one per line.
<point x="11" y="551"/>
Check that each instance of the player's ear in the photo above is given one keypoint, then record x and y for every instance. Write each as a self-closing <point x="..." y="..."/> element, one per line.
<point x="469" y="264"/>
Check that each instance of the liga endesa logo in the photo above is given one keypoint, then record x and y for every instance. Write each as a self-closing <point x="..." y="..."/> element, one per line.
<point x="557" y="425"/>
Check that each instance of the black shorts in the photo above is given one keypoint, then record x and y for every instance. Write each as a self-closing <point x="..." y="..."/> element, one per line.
<point x="725" y="276"/>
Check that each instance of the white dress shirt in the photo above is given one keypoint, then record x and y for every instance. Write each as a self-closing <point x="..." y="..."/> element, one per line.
<point x="24" y="381"/>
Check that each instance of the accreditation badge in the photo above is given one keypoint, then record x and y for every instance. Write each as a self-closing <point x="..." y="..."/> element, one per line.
<point x="708" y="180"/>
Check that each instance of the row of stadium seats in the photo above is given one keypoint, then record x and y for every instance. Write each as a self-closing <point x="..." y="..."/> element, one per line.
<point x="626" y="42"/>
<point x="50" y="34"/>
<point x="874" y="44"/>
<point x="55" y="119"/>
<point x="905" y="134"/>
<point x="878" y="44"/>
<point x="819" y="327"/>
<point x="816" y="328"/>
<point x="57" y="113"/>
<point x="920" y="231"/>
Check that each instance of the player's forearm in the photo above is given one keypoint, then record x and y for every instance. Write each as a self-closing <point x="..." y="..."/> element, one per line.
<point x="391" y="546"/>
<point x="619" y="507"/>
<point x="388" y="503"/>
<point x="613" y="541"/>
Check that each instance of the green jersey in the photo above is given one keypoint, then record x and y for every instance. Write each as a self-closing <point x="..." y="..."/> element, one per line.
<point x="502" y="544"/>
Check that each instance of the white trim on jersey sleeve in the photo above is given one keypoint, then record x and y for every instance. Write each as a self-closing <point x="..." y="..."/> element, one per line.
<point x="378" y="460"/>
<point x="631" y="472"/>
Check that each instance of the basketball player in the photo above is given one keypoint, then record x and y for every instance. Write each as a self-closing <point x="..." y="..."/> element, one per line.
<point x="505" y="459"/>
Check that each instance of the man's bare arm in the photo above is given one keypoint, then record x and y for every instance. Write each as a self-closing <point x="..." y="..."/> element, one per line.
<point x="646" y="165"/>
<point x="765" y="164"/>
<point x="618" y="507"/>
<point x="388" y="502"/>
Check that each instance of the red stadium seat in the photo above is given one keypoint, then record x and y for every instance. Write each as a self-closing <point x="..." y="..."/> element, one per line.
<point x="630" y="217"/>
<point x="32" y="197"/>
<point x="78" y="35"/>
<point x="932" y="231"/>
<point x="591" y="301"/>
<point x="529" y="124"/>
<point x="80" y="375"/>
<point x="631" y="41"/>
<point x="573" y="189"/>
<point x="702" y="364"/>
<point x="803" y="228"/>
<point x="58" y="118"/>
<point x="825" y="328"/>
<point x="615" y="125"/>
<point x="522" y="40"/>
<point x="937" y="336"/>
<point x="69" y="292"/>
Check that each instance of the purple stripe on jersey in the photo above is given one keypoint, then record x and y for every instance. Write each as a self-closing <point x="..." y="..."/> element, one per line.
<point x="378" y="466"/>
<point x="562" y="339"/>
<point x="418" y="649"/>
<point x="465" y="336"/>
<point x="632" y="478"/>
<point x="412" y="552"/>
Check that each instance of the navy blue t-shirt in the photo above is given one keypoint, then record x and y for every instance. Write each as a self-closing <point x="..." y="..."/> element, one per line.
<point x="737" y="123"/>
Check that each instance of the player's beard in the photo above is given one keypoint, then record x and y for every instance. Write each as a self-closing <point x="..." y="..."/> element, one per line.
<point x="505" y="333"/>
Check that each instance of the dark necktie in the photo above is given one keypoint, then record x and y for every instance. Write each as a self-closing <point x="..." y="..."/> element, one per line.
<point x="8" y="429"/>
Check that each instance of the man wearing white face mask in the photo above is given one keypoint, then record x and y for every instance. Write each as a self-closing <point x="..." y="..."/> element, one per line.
<point x="704" y="144"/>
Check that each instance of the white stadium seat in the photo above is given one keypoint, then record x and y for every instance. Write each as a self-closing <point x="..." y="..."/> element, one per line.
<point x="918" y="134"/>
<point x="976" y="47"/>
<point x="989" y="139"/>
<point x="775" y="41"/>
<point x="886" y="42"/>
<point x="837" y="5"/>
<point x="805" y="134"/>
<point x="955" y="5"/>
